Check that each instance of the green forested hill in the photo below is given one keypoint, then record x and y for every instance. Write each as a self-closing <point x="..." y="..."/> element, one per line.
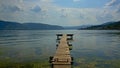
<point x="105" y="26"/>
<point x="6" y="25"/>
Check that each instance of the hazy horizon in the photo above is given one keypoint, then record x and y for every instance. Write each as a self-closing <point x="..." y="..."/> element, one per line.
<point x="60" y="12"/>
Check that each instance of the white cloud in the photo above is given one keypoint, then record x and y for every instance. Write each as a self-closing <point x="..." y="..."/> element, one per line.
<point x="76" y="0"/>
<point x="45" y="11"/>
<point x="113" y="8"/>
<point x="113" y="3"/>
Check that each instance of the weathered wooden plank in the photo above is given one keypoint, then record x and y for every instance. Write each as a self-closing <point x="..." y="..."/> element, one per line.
<point x="62" y="58"/>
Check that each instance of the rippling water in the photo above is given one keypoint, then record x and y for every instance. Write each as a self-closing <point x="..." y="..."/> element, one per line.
<point x="31" y="45"/>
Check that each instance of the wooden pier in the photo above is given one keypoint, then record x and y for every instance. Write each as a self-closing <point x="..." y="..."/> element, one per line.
<point x="62" y="57"/>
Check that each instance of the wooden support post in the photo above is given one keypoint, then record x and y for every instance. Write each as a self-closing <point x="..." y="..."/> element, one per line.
<point x="58" y="36"/>
<point x="70" y="36"/>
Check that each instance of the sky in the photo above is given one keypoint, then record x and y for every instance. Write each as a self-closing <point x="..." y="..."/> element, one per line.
<point x="60" y="12"/>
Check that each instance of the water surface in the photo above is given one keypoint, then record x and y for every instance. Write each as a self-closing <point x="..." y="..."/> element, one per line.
<point x="38" y="45"/>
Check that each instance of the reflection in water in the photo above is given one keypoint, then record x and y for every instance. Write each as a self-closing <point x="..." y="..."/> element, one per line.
<point x="29" y="45"/>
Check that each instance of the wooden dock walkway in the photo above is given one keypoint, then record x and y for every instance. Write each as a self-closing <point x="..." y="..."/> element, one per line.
<point x="62" y="57"/>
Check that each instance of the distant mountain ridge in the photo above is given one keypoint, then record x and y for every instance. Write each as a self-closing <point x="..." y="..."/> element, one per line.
<point x="75" y="27"/>
<point x="105" y="26"/>
<point x="6" y="25"/>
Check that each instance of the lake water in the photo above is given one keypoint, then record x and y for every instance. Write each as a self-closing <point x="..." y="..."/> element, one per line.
<point x="38" y="45"/>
